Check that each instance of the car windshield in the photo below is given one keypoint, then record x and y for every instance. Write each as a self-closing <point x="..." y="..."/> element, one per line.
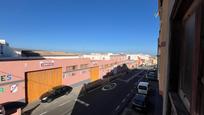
<point x="139" y="99"/>
<point x="48" y="94"/>
<point x="139" y="102"/>
<point x="143" y="87"/>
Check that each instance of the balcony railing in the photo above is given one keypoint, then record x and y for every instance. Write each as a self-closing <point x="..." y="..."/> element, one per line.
<point x="176" y="105"/>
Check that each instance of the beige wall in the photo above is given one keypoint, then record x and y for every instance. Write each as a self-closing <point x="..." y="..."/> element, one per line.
<point x="164" y="38"/>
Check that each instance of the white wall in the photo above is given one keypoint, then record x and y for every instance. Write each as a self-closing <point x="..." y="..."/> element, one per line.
<point x="6" y="51"/>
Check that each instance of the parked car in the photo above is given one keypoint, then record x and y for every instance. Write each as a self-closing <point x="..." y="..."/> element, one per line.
<point x="145" y="80"/>
<point x="152" y="75"/>
<point x="55" y="93"/>
<point x="139" y="102"/>
<point x="143" y="87"/>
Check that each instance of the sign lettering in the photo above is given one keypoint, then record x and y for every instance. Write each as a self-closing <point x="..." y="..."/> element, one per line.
<point x="47" y="63"/>
<point x="5" y="77"/>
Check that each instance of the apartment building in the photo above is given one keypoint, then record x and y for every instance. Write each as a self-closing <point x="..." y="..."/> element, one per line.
<point x="106" y="62"/>
<point x="6" y="50"/>
<point x="180" y="56"/>
<point x="142" y="59"/>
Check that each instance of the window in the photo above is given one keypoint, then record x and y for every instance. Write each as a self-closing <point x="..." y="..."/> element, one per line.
<point x="66" y="75"/>
<point x="71" y="68"/>
<point x="143" y="87"/>
<point x="83" y="72"/>
<point x="1" y="49"/>
<point x="186" y="65"/>
<point x="106" y="65"/>
<point x="83" y="66"/>
<point x="202" y="79"/>
<point x="73" y="74"/>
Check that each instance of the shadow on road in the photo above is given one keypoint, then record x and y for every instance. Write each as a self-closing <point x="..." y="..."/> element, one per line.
<point x="82" y="105"/>
<point x="29" y="112"/>
<point x="11" y="107"/>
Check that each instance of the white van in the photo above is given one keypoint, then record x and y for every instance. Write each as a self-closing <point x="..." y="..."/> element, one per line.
<point x="143" y="88"/>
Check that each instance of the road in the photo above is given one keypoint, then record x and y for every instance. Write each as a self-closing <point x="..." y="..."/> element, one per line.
<point x="95" y="102"/>
<point x="154" y="106"/>
<point x="109" y="102"/>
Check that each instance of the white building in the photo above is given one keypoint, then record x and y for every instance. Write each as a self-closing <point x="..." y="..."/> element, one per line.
<point x="6" y="50"/>
<point x="99" y="56"/>
<point x="145" y="58"/>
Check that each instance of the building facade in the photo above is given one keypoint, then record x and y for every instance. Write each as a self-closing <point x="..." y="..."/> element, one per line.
<point x="180" y="56"/>
<point x="6" y="50"/>
<point x="15" y="76"/>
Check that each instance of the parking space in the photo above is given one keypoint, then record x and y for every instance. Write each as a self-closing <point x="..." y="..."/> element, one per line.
<point x="154" y="106"/>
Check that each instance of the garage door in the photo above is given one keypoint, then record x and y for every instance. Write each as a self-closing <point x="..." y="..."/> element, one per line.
<point x="94" y="71"/>
<point x="39" y="82"/>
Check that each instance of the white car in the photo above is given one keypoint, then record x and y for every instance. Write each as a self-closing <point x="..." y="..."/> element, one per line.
<point x="143" y="88"/>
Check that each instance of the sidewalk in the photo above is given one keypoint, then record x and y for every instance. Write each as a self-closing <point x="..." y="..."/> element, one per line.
<point x="38" y="107"/>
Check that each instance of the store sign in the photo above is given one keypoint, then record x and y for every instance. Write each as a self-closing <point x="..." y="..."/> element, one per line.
<point x="4" y="78"/>
<point x="1" y="90"/>
<point x="49" y="63"/>
<point x="14" y="88"/>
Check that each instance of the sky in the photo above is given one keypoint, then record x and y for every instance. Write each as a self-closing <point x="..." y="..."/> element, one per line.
<point x="128" y="26"/>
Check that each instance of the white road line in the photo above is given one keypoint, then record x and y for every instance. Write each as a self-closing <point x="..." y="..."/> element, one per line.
<point x="117" y="107"/>
<point x="123" y="100"/>
<point x="82" y="102"/>
<point x="62" y="104"/>
<point x="135" y="76"/>
<point x="140" y="79"/>
<point x="128" y="95"/>
<point x="43" y="113"/>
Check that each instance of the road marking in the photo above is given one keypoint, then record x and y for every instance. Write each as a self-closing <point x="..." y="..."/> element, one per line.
<point x="82" y="102"/>
<point x="43" y="113"/>
<point x="123" y="100"/>
<point x="128" y="94"/>
<point x="63" y="104"/>
<point x="135" y="76"/>
<point x="140" y="79"/>
<point x="117" y="107"/>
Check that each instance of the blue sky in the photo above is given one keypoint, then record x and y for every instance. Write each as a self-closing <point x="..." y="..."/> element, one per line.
<point x="81" y="25"/>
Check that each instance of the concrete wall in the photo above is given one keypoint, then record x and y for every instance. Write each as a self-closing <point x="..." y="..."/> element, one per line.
<point x="164" y="39"/>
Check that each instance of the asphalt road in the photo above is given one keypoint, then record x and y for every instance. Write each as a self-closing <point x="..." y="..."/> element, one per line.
<point x="95" y="102"/>
<point x="111" y="102"/>
<point x="154" y="106"/>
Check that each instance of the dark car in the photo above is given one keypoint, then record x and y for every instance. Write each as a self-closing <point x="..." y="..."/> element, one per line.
<point x="152" y="75"/>
<point x="139" y="102"/>
<point x="55" y="93"/>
